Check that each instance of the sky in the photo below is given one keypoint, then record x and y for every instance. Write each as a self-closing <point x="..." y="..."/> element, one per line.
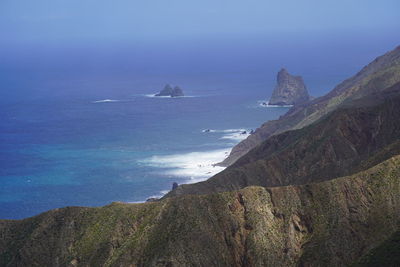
<point x="61" y="22"/>
<point x="51" y="39"/>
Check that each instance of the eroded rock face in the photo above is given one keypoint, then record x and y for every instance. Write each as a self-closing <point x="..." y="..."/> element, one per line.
<point x="290" y="90"/>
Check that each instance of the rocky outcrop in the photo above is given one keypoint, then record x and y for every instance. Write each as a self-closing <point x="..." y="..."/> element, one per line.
<point x="174" y="185"/>
<point x="380" y="74"/>
<point x="290" y="90"/>
<point x="169" y="91"/>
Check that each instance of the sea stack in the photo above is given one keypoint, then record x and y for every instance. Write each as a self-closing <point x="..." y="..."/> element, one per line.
<point x="169" y="91"/>
<point x="290" y="90"/>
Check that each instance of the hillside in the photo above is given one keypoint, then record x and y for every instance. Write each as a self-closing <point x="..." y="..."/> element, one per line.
<point x="380" y="74"/>
<point x="346" y="141"/>
<point x="329" y="223"/>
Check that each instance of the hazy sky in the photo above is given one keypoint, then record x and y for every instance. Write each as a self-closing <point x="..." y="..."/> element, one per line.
<point x="76" y="21"/>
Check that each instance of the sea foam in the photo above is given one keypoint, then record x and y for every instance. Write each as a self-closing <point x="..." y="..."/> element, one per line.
<point x="106" y="101"/>
<point x="194" y="166"/>
<point x="167" y="97"/>
<point x="265" y="104"/>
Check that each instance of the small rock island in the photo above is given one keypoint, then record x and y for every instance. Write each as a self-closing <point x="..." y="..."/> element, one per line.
<point x="290" y="90"/>
<point x="169" y="91"/>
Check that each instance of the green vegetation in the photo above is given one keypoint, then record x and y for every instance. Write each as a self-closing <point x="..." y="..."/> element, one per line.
<point x="341" y="219"/>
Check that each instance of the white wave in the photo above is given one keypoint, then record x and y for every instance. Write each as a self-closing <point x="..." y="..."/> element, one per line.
<point x="159" y="195"/>
<point x="223" y="131"/>
<point x="106" y="101"/>
<point x="194" y="166"/>
<point x="154" y="95"/>
<point x="237" y="136"/>
<point x="266" y="104"/>
<point x="168" y="97"/>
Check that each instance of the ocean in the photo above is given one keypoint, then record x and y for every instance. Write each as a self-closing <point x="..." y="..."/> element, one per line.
<point x="74" y="135"/>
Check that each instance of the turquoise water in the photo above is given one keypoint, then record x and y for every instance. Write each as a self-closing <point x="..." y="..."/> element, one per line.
<point x="79" y="150"/>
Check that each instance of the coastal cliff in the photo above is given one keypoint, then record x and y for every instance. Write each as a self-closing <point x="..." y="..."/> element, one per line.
<point x="378" y="75"/>
<point x="290" y="90"/>
<point x="348" y="140"/>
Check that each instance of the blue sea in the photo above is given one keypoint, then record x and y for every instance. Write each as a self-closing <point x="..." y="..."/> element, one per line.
<point x="88" y="131"/>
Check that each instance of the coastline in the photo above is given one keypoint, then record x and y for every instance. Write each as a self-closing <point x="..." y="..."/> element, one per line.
<point x="196" y="166"/>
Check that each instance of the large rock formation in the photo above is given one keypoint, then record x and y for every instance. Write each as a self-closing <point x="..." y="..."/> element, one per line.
<point x="290" y="90"/>
<point x="169" y="91"/>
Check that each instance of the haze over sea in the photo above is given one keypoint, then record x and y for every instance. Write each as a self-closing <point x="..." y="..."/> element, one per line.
<point x="78" y="126"/>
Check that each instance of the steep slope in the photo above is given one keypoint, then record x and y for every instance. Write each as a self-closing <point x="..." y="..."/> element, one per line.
<point x="361" y="134"/>
<point x="331" y="223"/>
<point x="380" y="74"/>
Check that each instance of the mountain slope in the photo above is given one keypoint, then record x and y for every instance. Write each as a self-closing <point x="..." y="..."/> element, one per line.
<point x="327" y="224"/>
<point x="380" y="74"/>
<point x="356" y="137"/>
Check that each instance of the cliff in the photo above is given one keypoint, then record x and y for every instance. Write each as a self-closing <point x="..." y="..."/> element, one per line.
<point x="290" y="90"/>
<point x="380" y="74"/>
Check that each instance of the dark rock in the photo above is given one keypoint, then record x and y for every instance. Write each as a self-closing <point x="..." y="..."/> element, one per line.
<point x="206" y="131"/>
<point x="244" y="132"/>
<point x="152" y="199"/>
<point x="169" y="91"/>
<point x="290" y="90"/>
<point x="174" y="185"/>
<point x="177" y="91"/>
